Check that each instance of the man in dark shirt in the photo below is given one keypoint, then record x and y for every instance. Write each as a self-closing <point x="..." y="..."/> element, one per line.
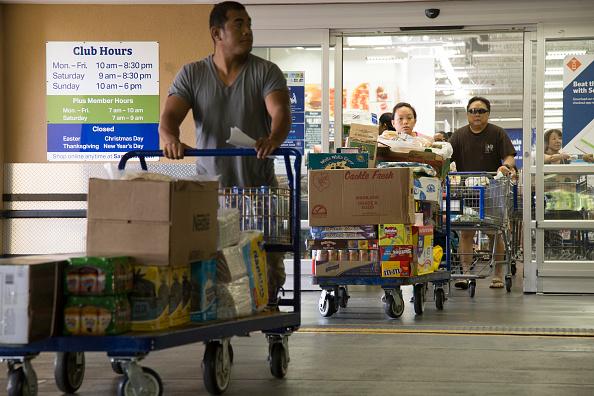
<point x="481" y="147"/>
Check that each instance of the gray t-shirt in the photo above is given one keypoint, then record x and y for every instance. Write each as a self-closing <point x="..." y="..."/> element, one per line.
<point x="217" y="108"/>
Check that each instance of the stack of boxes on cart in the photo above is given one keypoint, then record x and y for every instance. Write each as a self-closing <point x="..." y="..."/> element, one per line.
<point x="367" y="221"/>
<point x="160" y="253"/>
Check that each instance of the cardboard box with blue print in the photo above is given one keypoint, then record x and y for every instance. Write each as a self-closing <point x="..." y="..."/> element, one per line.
<point x="337" y="160"/>
<point x="427" y="189"/>
<point x="204" y="290"/>
<point x="360" y="196"/>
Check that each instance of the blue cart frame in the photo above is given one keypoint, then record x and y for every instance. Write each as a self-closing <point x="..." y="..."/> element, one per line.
<point x="127" y="349"/>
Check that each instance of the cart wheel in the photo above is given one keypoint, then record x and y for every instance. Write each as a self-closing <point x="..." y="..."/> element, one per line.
<point x="508" y="284"/>
<point x="394" y="306"/>
<point x="117" y="368"/>
<point x="419" y="296"/>
<point x="154" y="388"/>
<point x="216" y="371"/>
<point x="18" y="384"/>
<point x="439" y="298"/>
<point x="343" y="297"/>
<point x="471" y="288"/>
<point x="278" y="360"/>
<point x="326" y="305"/>
<point x="69" y="371"/>
<point x="513" y="268"/>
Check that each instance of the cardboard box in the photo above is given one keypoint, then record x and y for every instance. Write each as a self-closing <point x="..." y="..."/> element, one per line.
<point x="396" y="253"/>
<point x="361" y="244"/>
<point x="204" y="289"/>
<point x="158" y="222"/>
<point x="31" y="298"/>
<point x="396" y="269"/>
<point x="360" y="196"/>
<point x="427" y="189"/>
<point x="337" y="160"/>
<point x="180" y="291"/>
<point x="395" y="234"/>
<point x="347" y="268"/>
<point x="149" y="298"/>
<point x="369" y="148"/>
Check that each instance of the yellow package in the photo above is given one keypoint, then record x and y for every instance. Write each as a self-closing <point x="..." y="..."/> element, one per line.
<point x="179" y="295"/>
<point x="149" y="298"/>
<point x="437" y="255"/>
<point x="395" y="234"/>
<point x="255" y="258"/>
<point x="396" y="269"/>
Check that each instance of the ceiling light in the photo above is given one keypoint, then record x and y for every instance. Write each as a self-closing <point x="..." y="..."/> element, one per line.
<point x="553" y="104"/>
<point x="369" y="41"/>
<point x="554" y="71"/>
<point x="553" y="84"/>
<point x="553" y="95"/>
<point x="557" y="55"/>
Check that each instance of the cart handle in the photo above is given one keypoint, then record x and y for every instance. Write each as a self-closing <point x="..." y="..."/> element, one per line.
<point x="227" y="152"/>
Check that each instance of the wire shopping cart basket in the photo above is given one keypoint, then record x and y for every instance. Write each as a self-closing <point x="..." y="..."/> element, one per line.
<point x="479" y="206"/>
<point x="267" y="209"/>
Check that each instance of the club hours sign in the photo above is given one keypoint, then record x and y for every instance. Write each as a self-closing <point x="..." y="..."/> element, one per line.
<point x="102" y="99"/>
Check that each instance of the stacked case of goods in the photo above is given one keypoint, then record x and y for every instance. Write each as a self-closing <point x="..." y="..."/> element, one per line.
<point x="97" y="291"/>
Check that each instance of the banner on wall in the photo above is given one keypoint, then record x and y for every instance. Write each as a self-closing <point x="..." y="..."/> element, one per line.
<point x="102" y="99"/>
<point x="578" y="104"/>
<point x="515" y="135"/>
<point x="296" y="84"/>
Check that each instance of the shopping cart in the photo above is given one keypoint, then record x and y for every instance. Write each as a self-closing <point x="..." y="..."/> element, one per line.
<point x="479" y="201"/>
<point x="126" y="350"/>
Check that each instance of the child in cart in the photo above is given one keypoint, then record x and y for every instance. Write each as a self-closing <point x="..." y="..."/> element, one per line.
<point x="231" y="88"/>
<point x="481" y="147"/>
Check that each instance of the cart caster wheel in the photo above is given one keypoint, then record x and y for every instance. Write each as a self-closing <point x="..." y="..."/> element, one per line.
<point x="19" y="385"/>
<point x="508" y="284"/>
<point x="216" y="370"/>
<point x="472" y="288"/>
<point x="419" y="295"/>
<point x="439" y="298"/>
<point x="343" y="297"/>
<point x="154" y="386"/>
<point x="513" y="269"/>
<point x="278" y="361"/>
<point x="394" y="305"/>
<point x="69" y="371"/>
<point x="326" y="305"/>
<point x="117" y="367"/>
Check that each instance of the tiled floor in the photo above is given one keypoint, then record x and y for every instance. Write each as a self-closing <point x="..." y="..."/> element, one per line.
<point x="471" y="347"/>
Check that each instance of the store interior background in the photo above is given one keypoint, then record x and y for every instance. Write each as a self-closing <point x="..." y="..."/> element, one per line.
<point x="473" y="48"/>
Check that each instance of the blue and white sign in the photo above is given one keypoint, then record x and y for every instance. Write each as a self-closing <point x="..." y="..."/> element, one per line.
<point x="578" y="104"/>
<point x="296" y="84"/>
<point x="515" y="135"/>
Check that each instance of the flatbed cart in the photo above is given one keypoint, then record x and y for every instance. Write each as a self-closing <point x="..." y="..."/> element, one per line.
<point x="334" y="294"/>
<point x="477" y="201"/>
<point x="126" y="350"/>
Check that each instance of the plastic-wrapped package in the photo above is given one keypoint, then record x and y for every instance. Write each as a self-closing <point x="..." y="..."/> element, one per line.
<point x="234" y="299"/>
<point x="231" y="265"/>
<point x="228" y="219"/>
<point x="417" y="167"/>
<point x="442" y="148"/>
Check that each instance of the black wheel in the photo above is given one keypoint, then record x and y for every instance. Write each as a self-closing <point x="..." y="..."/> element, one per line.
<point x="472" y="288"/>
<point x="439" y="298"/>
<point x="69" y="371"/>
<point x="508" y="284"/>
<point x="513" y="268"/>
<point x="117" y="367"/>
<point x="419" y="295"/>
<point x="154" y="388"/>
<point x="216" y="370"/>
<point x="327" y="306"/>
<point x="278" y="360"/>
<point x="394" y="306"/>
<point x="343" y="297"/>
<point x="16" y="382"/>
